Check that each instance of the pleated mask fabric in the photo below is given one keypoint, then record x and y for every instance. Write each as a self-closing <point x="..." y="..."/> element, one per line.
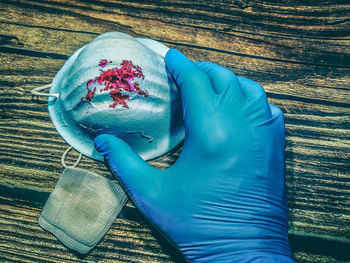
<point x="81" y="208"/>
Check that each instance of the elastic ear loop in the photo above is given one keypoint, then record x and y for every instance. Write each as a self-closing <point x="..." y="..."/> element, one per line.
<point x="64" y="155"/>
<point x="37" y="91"/>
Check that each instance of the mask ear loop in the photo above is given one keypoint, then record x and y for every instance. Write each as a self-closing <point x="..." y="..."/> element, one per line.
<point x="64" y="155"/>
<point x="37" y="91"/>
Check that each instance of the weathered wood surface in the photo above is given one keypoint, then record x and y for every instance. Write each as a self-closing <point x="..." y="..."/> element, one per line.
<point x="299" y="51"/>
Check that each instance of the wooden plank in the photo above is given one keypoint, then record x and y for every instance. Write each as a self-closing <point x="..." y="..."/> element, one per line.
<point x="191" y="25"/>
<point x="299" y="52"/>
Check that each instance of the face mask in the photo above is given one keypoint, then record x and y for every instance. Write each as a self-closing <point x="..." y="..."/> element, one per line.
<point x="118" y="85"/>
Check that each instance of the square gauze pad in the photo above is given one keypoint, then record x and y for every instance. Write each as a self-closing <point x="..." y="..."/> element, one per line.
<point x="81" y="208"/>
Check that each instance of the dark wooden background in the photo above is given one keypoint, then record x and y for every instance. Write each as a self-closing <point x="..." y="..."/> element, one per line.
<point x="298" y="50"/>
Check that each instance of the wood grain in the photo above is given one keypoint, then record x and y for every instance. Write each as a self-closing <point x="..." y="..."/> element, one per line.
<point x="299" y="51"/>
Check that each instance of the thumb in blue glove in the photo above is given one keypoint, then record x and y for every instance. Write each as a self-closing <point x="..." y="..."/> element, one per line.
<point x="224" y="198"/>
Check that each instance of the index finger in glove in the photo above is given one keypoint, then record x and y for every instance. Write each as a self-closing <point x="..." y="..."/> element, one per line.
<point x="196" y="89"/>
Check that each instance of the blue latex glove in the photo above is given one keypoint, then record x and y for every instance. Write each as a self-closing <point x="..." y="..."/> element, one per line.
<point x="224" y="199"/>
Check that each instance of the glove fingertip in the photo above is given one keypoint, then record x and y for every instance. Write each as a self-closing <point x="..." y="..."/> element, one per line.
<point x="171" y="54"/>
<point x="102" y="143"/>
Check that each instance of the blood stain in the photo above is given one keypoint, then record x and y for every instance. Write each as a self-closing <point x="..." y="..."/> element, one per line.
<point x="117" y="81"/>
<point x="103" y="63"/>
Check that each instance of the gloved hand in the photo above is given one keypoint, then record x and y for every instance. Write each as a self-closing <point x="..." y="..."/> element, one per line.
<point x="224" y="198"/>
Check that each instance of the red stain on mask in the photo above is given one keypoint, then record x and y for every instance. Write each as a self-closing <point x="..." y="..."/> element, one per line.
<point x="118" y="81"/>
<point x="103" y="63"/>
